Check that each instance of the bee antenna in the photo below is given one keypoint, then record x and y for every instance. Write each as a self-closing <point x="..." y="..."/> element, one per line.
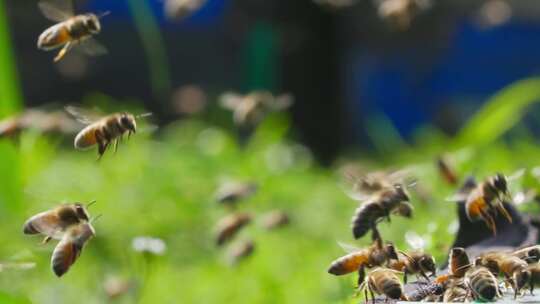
<point x="90" y="203"/>
<point x="95" y="218"/>
<point x="104" y="14"/>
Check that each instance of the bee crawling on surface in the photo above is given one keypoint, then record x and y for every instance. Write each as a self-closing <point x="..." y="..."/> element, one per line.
<point x="69" y="223"/>
<point x="383" y="281"/>
<point x="485" y="200"/>
<point x="105" y="130"/>
<point x="70" y="31"/>
<point x="482" y="283"/>
<point x="414" y="263"/>
<point x="529" y="254"/>
<point x="512" y="267"/>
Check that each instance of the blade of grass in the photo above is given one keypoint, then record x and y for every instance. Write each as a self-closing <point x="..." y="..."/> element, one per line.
<point x="10" y="96"/>
<point x="502" y="112"/>
<point x="156" y="55"/>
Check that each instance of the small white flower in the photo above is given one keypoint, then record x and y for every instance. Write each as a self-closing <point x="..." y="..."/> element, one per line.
<point x="149" y="244"/>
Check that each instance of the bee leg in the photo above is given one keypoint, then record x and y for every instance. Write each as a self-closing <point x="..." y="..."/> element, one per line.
<point x="405" y="276"/>
<point x="502" y="210"/>
<point x="531" y="288"/>
<point x="102" y="148"/>
<point x="361" y="275"/>
<point x="372" y="294"/>
<point x="46" y="240"/>
<point x="115" y="145"/>
<point x="63" y="51"/>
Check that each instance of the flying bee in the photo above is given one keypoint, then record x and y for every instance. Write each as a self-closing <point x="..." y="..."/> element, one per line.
<point x="251" y="108"/>
<point x="180" y="9"/>
<point x="512" y="267"/>
<point x="104" y="131"/>
<point x="36" y="119"/>
<point x="482" y="283"/>
<point x="459" y="262"/>
<point x="54" y="223"/>
<point x="230" y="193"/>
<point x="72" y="30"/>
<point x="275" y="219"/>
<point x="379" y="207"/>
<point x="486" y="199"/>
<point x="529" y="254"/>
<point x="400" y="13"/>
<point x="68" y="223"/>
<point x="358" y="259"/>
<point x="383" y="281"/>
<point x="446" y="171"/>
<point x="229" y="226"/>
<point x="241" y="251"/>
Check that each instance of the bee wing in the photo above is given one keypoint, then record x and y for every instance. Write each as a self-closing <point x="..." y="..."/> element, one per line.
<point x="458" y="197"/>
<point x="46" y="223"/>
<point x="91" y="47"/>
<point x="348" y="248"/>
<point x="414" y="240"/>
<point x="230" y="100"/>
<point x="516" y="175"/>
<point x="280" y="102"/>
<point x="56" y="10"/>
<point x="64" y="255"/>
<point x="83" y="116"/>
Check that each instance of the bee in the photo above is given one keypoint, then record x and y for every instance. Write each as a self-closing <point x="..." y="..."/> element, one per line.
<point x="54" y="223"/>
<point x="35" y="119"/>
<point x="70" y="31"/>
<point x="513" y="268"/>
<point x="358" y="259"/>
<point x="486" y="199"/>
<point x="241" y="251"/>
<point x="69" y="223"/>
<point x="104" y="131"/>
<point x="534" y="280"/>
<point x="230" y="193"/>
<point x="482" y="283"/>
<point x="229" y="226"/>
<point x="456" y="292"/>
<point x="251" y="108"/>
<point x="275" y="219"/>
<point x="414" y="263"/>
<point x="447" y="172"/>
<point x="529" y="254"/>
<point x="383" y="281"/>
<point x="380" y="206"/>
<point x="459" y="262"/>
<point x="180" y="9"/>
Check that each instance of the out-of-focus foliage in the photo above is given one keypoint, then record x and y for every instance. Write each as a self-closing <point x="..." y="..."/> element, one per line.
<point x="10" y="98"/>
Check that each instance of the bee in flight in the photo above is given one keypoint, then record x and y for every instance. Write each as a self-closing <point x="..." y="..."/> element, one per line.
<point x="69" y="223"/>
<point x="70" y="31"/>
<point x="485" y="200"/>
<point x="180" y="9"/>
<point x="251" y="108"/>
<point x="105" y="130"/>
<point x="230" y="225"/>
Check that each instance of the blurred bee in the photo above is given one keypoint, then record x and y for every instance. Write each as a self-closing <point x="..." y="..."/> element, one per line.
<point x="68" y="223"/>
<point x="482" y="284"/>
<point x="486" y="199"/>
<point x="414" y="263"/>
<point x="54" y="223"/>
<point x="400" y="13"/>
<point x="103" y="131"/>
<point x="457" y="291"/>
<point x="42" y="121"/>
<point x="180" y="9"/>
<point x="230" y="193"/>
<point x="250" y="109"/>
<point x="358" y="259"/>
<point x="115" y="287"/>
<point x="229" y="226"/>
<point x="391" y="200"/>
<point x="459" y="262"/>
<point x="529" y="254"/>
<point x="240" y="251"/>
<point x="513" y="268"/>
<point x="72" y="30"/>
<point x="383" y="281"/>
<point x="534" y="280"/>
<point x="447" y="172"/>
<point x="275" y="219"/>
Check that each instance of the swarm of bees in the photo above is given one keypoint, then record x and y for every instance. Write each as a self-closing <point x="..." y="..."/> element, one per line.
<point x="229" y="194"/>
<point x="381" y="265"/>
